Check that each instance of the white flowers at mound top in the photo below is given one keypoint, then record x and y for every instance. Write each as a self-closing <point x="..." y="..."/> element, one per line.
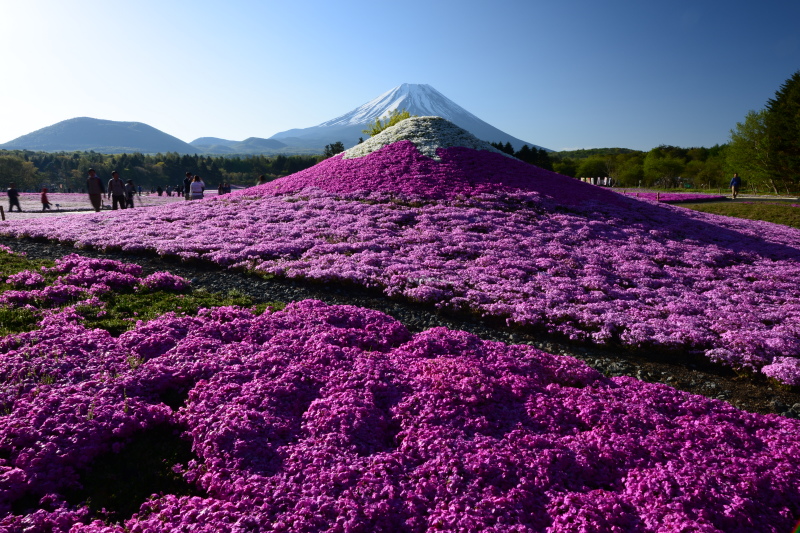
<point x="427" y="133"/>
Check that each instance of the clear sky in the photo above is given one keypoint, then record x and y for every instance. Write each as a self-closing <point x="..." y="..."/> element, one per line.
<point x="562" y="74"/>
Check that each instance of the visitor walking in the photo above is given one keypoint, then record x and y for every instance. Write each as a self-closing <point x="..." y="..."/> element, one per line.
<point x="95" y="189"/>
<point x="45" y="201"/>
<point x="130" y="192"/>
<point x="186" y="183"/>
<point x="13" y="198"/>
<point x="116" y="191"/>
<point x="736" y="183"/>
<point x="196" y="188"/>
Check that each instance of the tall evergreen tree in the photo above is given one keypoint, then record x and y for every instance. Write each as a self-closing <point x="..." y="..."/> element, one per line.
<point x="543" y="159"/>
<point x="333" y="149"/>
<point x="783" y="129"/>
<point x="526" y="154"/>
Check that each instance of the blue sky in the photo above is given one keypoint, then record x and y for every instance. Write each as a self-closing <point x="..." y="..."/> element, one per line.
<point x="565" y="75"/>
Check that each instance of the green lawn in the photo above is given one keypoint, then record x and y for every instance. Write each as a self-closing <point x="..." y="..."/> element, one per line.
<point x="771" y="212"/>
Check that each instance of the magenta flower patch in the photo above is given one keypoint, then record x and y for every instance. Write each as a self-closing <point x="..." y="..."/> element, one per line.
<point x="319" y="417"/>
<point x="481" y="233"/>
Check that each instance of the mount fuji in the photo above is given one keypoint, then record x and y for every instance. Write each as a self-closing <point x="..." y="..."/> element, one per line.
<point x="418" y="99"/>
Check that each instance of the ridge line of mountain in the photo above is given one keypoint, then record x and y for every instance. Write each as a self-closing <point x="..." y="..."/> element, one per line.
<point x="107" y="136"/>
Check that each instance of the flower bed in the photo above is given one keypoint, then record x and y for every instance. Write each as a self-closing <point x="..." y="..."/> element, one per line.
<point x="479" y="232"/>
<point x="336" y="418"/>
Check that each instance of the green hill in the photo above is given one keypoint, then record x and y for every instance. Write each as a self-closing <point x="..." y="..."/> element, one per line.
<point x="104" y="136"/>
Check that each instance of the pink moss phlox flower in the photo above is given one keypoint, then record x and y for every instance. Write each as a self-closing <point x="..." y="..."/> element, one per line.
<point x="319" y="415"/>
<point x="26" y="280"/>
<point x="164" y="281"/>
<point x="483" y="234"/>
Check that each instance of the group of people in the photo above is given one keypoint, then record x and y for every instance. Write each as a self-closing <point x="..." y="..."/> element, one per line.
<point x="194" y="186"/>
<point x="13" y="199"/>
<point x="120" y="193"/>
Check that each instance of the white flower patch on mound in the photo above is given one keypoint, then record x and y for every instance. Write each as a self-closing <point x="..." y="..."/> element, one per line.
<point x="427" y="133"/>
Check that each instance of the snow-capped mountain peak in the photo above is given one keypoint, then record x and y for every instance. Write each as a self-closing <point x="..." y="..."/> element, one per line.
<point x="418" y="99"/>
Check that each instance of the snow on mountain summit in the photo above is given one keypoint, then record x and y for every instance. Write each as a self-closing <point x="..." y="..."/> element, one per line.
<point x="418" y="99"/>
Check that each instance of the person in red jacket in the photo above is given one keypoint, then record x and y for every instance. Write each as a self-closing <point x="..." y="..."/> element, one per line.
<point x="45" y="201"/>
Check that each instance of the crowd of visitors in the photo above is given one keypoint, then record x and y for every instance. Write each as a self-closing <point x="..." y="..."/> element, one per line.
<point x="122" y="194"/>
<point x="192" y="188"/>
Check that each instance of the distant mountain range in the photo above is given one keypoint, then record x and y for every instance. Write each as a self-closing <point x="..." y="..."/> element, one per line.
<point x="251" y="145"/>
<point x="110" y="137"/>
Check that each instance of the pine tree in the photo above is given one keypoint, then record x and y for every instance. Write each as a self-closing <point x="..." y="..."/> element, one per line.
<point x="333" y="149"/>
<point x="783" y="129"/>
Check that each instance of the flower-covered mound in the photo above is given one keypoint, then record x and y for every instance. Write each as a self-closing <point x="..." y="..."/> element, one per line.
<point x="427" y="134"/>
<point x="335" y="418"/>
<point x="478" y="232"/>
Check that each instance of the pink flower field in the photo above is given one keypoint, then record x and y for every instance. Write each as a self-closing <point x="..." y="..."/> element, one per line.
<point x="318" y="417"/>
<point x="336" y="418"/>
<point x="481" y="233"/>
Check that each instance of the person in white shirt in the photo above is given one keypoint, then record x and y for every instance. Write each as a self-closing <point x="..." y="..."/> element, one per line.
<point x="196" y="188"/>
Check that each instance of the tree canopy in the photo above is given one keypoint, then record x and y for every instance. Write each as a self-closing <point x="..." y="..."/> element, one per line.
<point x="63" y="171"/>
<point x="333" y="149"/>
<point x="765" y="147"/>
<point x="782" y="123"/>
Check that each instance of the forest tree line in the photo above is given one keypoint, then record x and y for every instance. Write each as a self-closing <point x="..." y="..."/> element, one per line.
<point x="663" y="167"/>
<point x="65" y="171"/>
<point x="764" y="150"/>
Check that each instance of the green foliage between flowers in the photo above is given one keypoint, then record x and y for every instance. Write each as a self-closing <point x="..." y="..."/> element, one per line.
<point x="123" y="310"/>
<point x="120" y="311"/>
<point x="395" y="116"/>
<point x="13" y="264"/>
<point x="778" y="213"/>
<point x="17" y="320"/>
